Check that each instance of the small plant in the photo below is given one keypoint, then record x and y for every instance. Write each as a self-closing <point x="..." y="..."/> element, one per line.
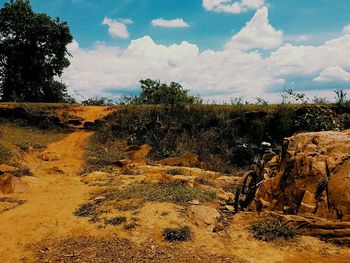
<point x="131" y="226"/>
<point x="23" y="171"/>
<point x="115" y="221"/>
<point x="183" y="233"/>
<point x="86" y="210"/>
<point x="271" y="230"/>
<point x="340" y="97"/>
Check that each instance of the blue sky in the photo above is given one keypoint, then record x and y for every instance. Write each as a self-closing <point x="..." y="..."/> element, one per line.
<point x="209" y="30"/>
<point x="216" y="48"/>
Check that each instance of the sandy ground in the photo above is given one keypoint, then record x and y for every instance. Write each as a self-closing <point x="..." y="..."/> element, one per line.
<point x="56" y="190"/>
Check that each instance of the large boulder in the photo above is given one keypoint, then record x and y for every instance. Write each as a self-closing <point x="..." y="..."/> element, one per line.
<point x="312" y="177"/>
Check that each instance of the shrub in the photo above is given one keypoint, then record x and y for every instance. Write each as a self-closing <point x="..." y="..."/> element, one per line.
<point x="271" y="230"/>
<point x="154" y="92"/>
<point x="97" y="101"/>
<point x="118" y="220"/>
<point x="183" y="233"/>
<point x="86" y="210"/>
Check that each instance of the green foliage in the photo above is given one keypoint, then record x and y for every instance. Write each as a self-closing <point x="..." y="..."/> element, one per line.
<point x="97" y="101"/>
<point x="32" y="52"/>
<point x="271" y="230"/>
<point x="183" y="233"/>
<point x="154" y="92"/>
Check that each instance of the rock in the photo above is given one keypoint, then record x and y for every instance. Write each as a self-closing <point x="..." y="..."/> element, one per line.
<point x="138" y="153"/>
<point x="74" y="122"/>
<point x="187" y="159"/>
<point x="308" y="204"/>
<point x="194" y="202"/>
<point x="89" y="125"/>
<point x="229" y="208"/>
<point x="99" y="198"/>
<point x="203" y="215"/>
<point x="311" y="165"/>
<point x="218" y="228"/>
<point x="7" y="169"/>
<point x="10" y="184"/>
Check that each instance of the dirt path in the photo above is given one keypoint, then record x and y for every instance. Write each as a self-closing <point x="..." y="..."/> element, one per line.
<point x="55" y="191"/>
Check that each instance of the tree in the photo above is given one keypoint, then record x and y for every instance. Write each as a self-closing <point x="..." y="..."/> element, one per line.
<point x="32" y="53"/>
<point x="154" y="92"/>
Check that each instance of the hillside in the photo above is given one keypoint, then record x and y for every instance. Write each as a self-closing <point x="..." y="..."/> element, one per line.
<point x="91" y="184"/>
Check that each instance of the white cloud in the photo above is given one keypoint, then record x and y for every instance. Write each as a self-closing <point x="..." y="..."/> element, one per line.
<point x="117" y="28"/>
<point x="302" y="38"/>
<point x="174" y="23"/>
<point x="332" y="74"/>
<point x="232" y="6"/>
<point x="212" y="74"/>
<point x="258" y="33"/>
<point x="346" y="29"/>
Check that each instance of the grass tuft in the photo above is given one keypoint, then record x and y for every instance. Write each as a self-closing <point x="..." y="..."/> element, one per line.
<point x="271" y="230"/>
<point x="115" y="221"/>
<point x="183" y="233"/>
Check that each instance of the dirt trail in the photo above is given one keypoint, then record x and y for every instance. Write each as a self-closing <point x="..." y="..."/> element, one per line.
<point x="54" y="193"/>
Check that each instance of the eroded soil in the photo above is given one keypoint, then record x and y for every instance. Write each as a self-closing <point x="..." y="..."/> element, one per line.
<point x="44" y="228"/>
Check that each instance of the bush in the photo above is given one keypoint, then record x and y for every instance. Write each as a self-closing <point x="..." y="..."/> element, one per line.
<point x="97" y="101"/>
<point x="183" y="233"/>
<point x="154" y="92"/>
<point x="271" y="230"/>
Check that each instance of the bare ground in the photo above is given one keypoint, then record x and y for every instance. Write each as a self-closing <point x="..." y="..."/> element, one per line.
<point x="44" y="229"/>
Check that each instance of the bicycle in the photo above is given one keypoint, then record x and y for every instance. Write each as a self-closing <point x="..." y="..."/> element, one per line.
<point x="254" y="177"/>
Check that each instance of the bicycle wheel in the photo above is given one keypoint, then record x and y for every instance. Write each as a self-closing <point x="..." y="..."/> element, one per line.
<point x="245" y="192"/>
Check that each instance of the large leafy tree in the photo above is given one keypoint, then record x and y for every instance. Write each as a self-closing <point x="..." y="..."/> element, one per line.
<point x="154" y="92"/>
<point x="32" y="53"/>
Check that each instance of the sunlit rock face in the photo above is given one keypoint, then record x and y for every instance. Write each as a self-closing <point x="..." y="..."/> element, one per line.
<point x="312" y="176"/>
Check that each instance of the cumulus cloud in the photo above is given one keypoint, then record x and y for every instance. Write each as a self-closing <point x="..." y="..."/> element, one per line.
<point x="346" y="29"/>
<point x="117" y="28"/>
<point x="258" y="33"/>
<point x="232" y="6"/>
<point x="174" y="23"/>
<point x="234" y="71"/>
<point x="333" y="74"/>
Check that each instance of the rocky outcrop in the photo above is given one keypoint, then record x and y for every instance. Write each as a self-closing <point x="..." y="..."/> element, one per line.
<point x="312" y="177"/>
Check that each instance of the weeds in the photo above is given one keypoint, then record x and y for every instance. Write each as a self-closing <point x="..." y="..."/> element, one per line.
<point x="172" y="192"/>
<point x="86" y="210"/>
<point x="115" y="221"/>
<point x="271" y="230"/>
<point x="183" y="233"/>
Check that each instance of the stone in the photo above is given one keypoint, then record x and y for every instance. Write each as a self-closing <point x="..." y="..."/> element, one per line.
<point x="218" y="228"/>
<point x="229" y="208"/>
<point x="194" y="202"/>
<point x="296" y="180"/>
<point x="10" y="184"/>
<point x="187" y="159"/>
<point x="74" y="122"/>
<point x="203" y="215"/>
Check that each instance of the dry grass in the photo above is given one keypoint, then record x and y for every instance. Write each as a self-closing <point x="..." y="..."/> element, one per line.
<point x="15" y="138"/>
<point x="173" y="192"/>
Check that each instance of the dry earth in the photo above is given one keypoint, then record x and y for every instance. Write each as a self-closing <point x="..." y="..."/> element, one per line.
<point x="44" y="229"/>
